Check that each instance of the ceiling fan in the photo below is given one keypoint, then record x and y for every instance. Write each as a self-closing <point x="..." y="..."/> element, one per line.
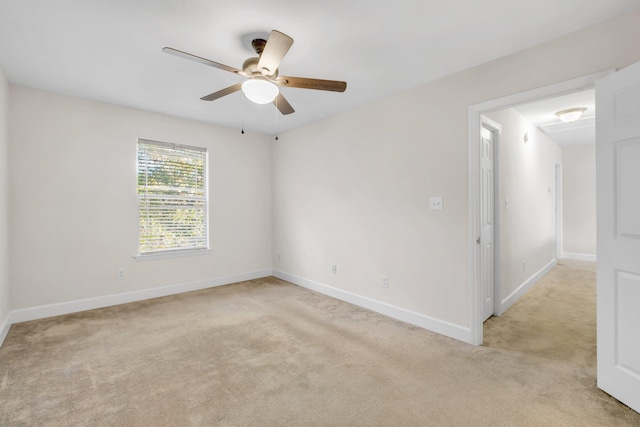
<point x="262" y="72"/>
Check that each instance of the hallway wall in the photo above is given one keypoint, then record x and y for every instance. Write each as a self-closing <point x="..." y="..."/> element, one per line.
<point x="579" y="201"/>
<point x="528" y="220"/>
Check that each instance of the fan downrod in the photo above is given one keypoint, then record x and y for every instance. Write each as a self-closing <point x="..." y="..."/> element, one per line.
<point x="258" y="45"/>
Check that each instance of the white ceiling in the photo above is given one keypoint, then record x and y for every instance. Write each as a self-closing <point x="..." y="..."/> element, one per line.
<point x="542" y="115"/>
<point x="110" y="50"/>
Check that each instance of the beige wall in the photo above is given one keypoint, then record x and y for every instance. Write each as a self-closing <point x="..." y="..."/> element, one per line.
<point x="4" y="201"/>
<point x="353" y="189"/>
<point x="579" y="200"/>
<point x="74" y="208"/>
<point x="527" y="179"/>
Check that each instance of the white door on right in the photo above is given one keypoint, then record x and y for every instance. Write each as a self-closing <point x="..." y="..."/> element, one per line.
<point x="618" y="210"/>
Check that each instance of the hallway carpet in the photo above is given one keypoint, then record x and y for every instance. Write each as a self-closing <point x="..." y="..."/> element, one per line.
<point x="269" y="353"/>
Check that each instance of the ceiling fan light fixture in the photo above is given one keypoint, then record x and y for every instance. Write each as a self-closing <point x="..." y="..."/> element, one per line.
<point x="263" y="86"/>
<point x="571" y="114"/>
<point x="260" y="91"/>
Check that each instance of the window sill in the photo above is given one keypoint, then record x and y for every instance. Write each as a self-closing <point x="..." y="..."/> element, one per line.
<point x="176" y="254"/>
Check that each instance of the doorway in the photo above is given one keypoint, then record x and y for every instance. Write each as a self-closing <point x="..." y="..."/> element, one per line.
<point x="478" y="269"/>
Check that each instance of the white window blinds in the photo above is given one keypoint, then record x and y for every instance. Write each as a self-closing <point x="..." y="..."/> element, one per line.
<point x="172" y="197"/>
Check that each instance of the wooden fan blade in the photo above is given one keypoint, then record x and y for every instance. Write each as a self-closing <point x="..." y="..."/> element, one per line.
<point x="223" y="92"/>
<point x="305" y="83"/>
<point x="276" y="48"/>
<point x="205" y="61"/>
<point x="283" y="105"/>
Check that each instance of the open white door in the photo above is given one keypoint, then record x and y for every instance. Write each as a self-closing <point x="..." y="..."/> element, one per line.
<point x="618" y="210"/>
<point x="487" y="215"/>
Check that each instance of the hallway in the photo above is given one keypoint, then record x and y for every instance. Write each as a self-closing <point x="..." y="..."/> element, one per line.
<point x="555" y="321"/>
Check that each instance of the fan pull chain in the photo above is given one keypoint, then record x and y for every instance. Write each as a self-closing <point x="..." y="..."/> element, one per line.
<point x="242" y="113"/>
<point x="276" y="118"/>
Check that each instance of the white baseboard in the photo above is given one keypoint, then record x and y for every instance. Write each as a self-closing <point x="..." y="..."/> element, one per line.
<point x="43" y="311"/>
<point x="579" y="257"/>
<point x="40" y="312"/>
<point x="528" y="284"/>
<point x="4" y="328"/>
<point x="435" y="325"/>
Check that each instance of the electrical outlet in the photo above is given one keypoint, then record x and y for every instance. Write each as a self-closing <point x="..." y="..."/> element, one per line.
<point x="121" y="274"/>
<point x="385" y="282"/>
<point x="435" y="203"/>
<point x="334" y="269"/>
<point x="279" y="258"/>
<point x="524" y="265"/>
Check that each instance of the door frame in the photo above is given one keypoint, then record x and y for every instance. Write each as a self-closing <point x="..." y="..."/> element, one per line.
<point x="559" y="232"/>
<point x="475" y="123"/>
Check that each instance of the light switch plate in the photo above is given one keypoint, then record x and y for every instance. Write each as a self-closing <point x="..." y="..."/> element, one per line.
<point x="435" y="202"/>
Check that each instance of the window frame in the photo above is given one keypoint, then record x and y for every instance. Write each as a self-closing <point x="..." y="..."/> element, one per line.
<point x="173" y="252"/>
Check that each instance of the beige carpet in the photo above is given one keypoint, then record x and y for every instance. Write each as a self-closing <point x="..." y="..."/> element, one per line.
<point x="266" y="352"/>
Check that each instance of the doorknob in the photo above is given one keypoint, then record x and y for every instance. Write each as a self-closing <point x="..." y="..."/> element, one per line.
<point x="478" y="240"/>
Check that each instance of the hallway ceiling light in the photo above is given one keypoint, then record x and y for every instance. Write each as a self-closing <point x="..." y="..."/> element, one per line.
<point x="571" y="114"/>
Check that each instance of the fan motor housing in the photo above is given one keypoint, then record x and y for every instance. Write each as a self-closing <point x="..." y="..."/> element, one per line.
<point x="250" y="66"/>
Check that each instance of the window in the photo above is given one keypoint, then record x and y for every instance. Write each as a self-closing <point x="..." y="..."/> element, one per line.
<point x="172" y="197"/>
